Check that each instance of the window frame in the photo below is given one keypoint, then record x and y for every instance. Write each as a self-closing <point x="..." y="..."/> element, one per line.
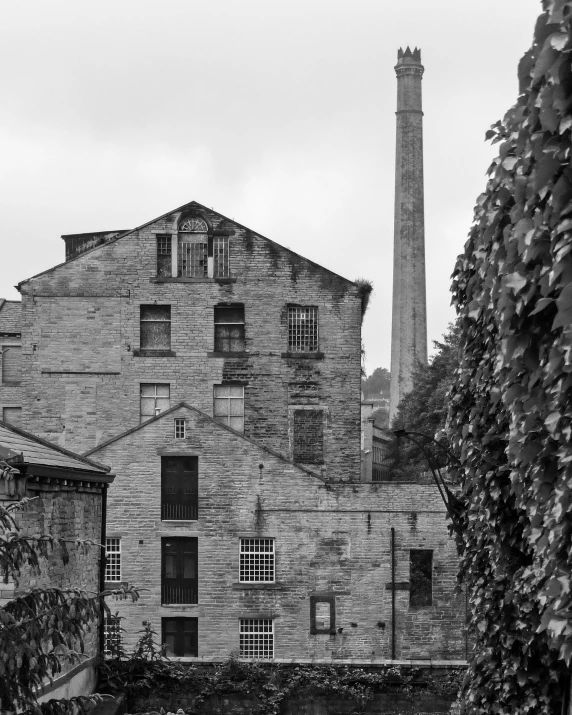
<point x="180" y="635"/>
<point x="164" y="247"/>
<point x="179" y="508"/>
<point x="226" y="418"/>
<point x="179" y="422"/>
<point x="155" y="385"/>
<point x="174" y="593"/>
<point x="245" y="622"/>
<point x="112" y="636"/>
<point x="323" y="598"/>
<point x="244" y="567"/>
<point x="143" y="345"/>
<point x="112" y="560"/>
<point x="298" y="342"/>
<point x="219" y="325"/>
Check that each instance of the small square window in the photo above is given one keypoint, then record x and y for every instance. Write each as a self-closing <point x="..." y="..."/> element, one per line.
<point x="256" y="638"/>
<point x="113" y="559"/>
<point x="179" y="428"/>
<point x="229" y="328"/>
<point x="155" y="333"/>
<point x="303" y="329"/>
<point x="229" y="405"/>
<point x="155" y="398"/>
<point x="180" y="637"/>
<point x="256" y="560"/>
<point x="112" y="637"/>
<point x="12" y="415"/>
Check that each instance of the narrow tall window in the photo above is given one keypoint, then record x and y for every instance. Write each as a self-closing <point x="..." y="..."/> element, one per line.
<point x="229" y="405"/>
<point x="220" y="257"/>
<point x="180" y="637"/>
<point x="192" y="248"/>
<point x="179" y="488"/>
<point x="113" y="559"/>
<point x="256" y="638"/>
<point x="308" y="438"/>
<point x="164" y="256"/>
<point x="12" y="415"/>
<point x="229" y="328"/>
<point x="256" y="560"/>
<point x="12" y="364"/>
<point x="421" y="577"/>
<point x="155" y="398"/>
<point x="302" y="329"/>
<point x="155" y="327"/>
<point x="180" y="428"/>
<point x="112" y="637"/>
<point x="322" y="614"/>
<point x="179" y="581"/>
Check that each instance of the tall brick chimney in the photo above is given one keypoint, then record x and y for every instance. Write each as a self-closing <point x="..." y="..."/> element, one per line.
<point x="409" y="312"/>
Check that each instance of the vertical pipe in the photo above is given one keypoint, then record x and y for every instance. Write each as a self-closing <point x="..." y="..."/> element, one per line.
<point x="102" y="560"/>
<point x="392" y="593"/>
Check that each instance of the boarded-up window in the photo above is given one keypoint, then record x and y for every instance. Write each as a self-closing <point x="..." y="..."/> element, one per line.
<point x="179" y="488"/>
<point x="229" y="328"/>
<point x="155" y="327"/>
<point x="164" y="260"/>
<point x="12" y="364"/>
<point x="179" y="578"/>
<point x="13" y="415"/>
<point x="229" y="405"/>
<point x="421" y="577"/>
<point x="155" y="398"/>
<point x="180" y="637"/>
<point x="308" y="436"/>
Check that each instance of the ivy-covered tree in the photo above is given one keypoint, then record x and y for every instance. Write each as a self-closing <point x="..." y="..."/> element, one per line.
<point x="42" y="628"/>
<point x="510" y="411"/>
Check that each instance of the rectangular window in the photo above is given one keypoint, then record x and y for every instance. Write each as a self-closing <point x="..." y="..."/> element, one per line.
<point x="256" y="560"/>
<point x="229" y="328"/>
<point x="303" y="330"/>
<point x="220" y="257"/>
<point x="155" y="324"/>
<point x="113" y="559"/>
<point x="112" y="637"/>
<point x="179" y="428"/>
<point x="179" y="583"/>
<point x="180" y="637"/>
<point x="256" y="638"/>
<point x="192" y="256"/>
<point x="12" y="364"/>
<point x="155" y="398"/>
<point x="12" y="415"/>
<point x="164" y="256"/>
<point x="179" y="488"/>
<point x="322" y="614"/>
<point x="308" y="443"/>
<point x="229" y="405"/>
<point x="421" y="577"/>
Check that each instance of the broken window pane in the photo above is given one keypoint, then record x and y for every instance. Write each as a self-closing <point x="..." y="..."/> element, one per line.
<point x="229" y="328"/>
<point x="192" y="248"/>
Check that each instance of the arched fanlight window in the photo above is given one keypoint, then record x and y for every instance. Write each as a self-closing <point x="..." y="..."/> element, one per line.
<point x="192" y="251"/>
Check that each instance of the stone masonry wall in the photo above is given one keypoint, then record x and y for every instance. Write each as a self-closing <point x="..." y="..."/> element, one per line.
<point x="80" y="335"/>
<point x="330" y="539"/>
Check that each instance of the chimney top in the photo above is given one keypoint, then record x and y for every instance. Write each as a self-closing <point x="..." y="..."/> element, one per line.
<point x="409" y="57"/>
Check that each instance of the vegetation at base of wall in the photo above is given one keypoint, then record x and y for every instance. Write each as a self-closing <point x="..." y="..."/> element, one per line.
<point x="42" y="629"/>
<point x="145" y="674"/>
<point x="510" y="417"/>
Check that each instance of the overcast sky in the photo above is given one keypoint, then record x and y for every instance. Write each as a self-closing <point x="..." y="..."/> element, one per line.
<point x="279" y="114"/>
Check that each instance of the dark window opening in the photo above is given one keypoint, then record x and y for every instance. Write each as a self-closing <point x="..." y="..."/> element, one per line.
<point x="192" y="246"/>
<point x="179" y="582"/>
<point x="179" y="488"/>
<point x="322" y="614"/>
<point x="164" y="258"/>
<point x="308" y="436"/>
<point x="229" y="328"/>
<point x="155" y="327"/>
<point x="12" y="364"/>
<point x="420" y="577"/>
<point x="180" y="637"/>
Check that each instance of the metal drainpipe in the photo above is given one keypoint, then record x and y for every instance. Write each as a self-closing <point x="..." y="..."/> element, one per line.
<point x="392" y="593"/>
<point x="102" y="565"/>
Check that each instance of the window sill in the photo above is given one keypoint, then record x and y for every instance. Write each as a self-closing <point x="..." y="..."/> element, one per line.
<point x="179" y="522"/>
<point x="192" y="280"/>
<point x="11" y="383"/>
<point x="303" y="356"/>
<point x="180" y="606"/>
<point x="229" y="354"/>
<point x="112" y="585"/>
<point x="154" y="353"/>
<point x="261" y="586"/>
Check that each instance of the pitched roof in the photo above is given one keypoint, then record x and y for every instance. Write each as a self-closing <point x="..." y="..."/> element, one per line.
<point x="220" y="425"/>
<point x="10" y="316"/>
<point x="35" y="450"/>
<point x="190" y="205"/>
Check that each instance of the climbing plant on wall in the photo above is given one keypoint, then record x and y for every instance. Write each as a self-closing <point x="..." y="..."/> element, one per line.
<point x="510" y="414"/>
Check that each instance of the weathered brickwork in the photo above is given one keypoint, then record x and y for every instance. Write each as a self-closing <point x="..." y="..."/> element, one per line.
<point x="81" y="337"/>
<point x="331" y="539"/>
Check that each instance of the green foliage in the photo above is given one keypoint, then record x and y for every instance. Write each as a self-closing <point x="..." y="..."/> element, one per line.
<point x="510" y="416"/>
<point x="365" y="289"/>
<point x="377" y="383"/>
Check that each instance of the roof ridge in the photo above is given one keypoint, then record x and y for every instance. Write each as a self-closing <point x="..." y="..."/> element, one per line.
<point x="182" y="403"/>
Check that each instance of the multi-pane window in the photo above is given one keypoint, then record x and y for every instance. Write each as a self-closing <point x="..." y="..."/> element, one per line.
<point x="229" y="328"/>
<point x="220" y="257"/>
<point x="180" y="637"/>
<point x="155" y="398"/>
<point x="12" y="363"/>
<point x="192" y="249"/>
<point x="420" y="577"/>
<point x="302" y="329"/>
<point x="229" y="405"/>
<point x="308" y="437"/>
<point x="179" y="582"/>
<point x="256" y="560"/>
<point x="180" y="428"/>
<point x="113" y="559"/>
<point x="155" y="326"/>
<point x="112" y="636"/>
<point x="164" y="260"/>
<point x="12" y="415"/>
<point x="256" y="638"/>
<point x="179" y="488"/>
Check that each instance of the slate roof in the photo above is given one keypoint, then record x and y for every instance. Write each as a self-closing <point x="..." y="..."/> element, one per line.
<point x="10" y="316"/>
<point x="41" y="452"/>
